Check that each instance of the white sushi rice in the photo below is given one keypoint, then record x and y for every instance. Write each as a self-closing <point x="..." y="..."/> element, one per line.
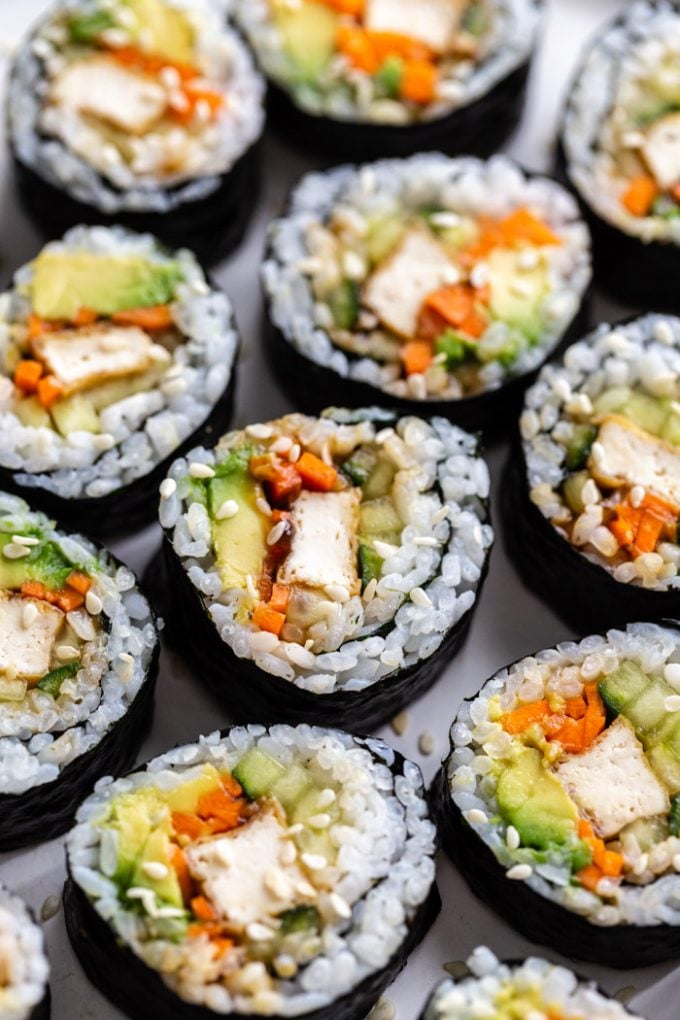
<point x="121" y="190"/>
<point x="642" y="354"/>
<point x="515" y="25"/>
<point x="41" y="735"/>
<point x="464" y="186"/>
<point x="481" y="993"/>
<point x="475" y="740"/>
<point x="23" y="963"/>
<point x="142" y="430"/>
<point x="447" y="565"/>
<point x="629" y="50"/>
<point x="385" y="865"/>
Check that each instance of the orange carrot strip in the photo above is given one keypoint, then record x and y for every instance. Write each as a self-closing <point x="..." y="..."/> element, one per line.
<point x="473" y="325"/>
<point x="285" y="482"/>
<point x="353" y="7"/>
<point x="202" y="908"/>
<point x="67" y="599"/>
<point x="84" y="317"/>
<point x="668" y="512"/>
<point x="571" y="736"/>
<point x="595" y="717"/>
<point x="280" y="598"/>
<point x="152" y="318"/>
<point x="416" y="356"/>
<point x="419" y="82"/>
<point x="522" y="225"/>
<point x="648" y="533"/>
<point x="640" y="195"/>
<point x="552" y="725"/>
<point x="585" y="829"/>
<point x="27" y="375"/>
<point x="316" y="474"/>
<point x="576" y="707"/>
<point x="179" y="863"/>
<point x="268" y="619"/>
<point x="231" y="785"/>
<point x="33" y="590"/>
<point x="222" y="946"/>
<point x="186" y="824"/>
<point x="612" y="864"/>
<point x="49" y="390"/>
<point x="454" y="304"/>
<point x="521" y="718"/>
<point x="589" y="877"/>
<point x="81" y="582"/>
<point x="354" y="44"/>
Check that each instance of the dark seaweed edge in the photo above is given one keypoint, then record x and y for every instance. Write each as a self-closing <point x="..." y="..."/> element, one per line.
<point x="312" y="387"/>
<point x="141" y="994"/>
<point x="643" y="273"/>
<point x="534" y="916"/>
<point x="43" y="1009"/>
<point x="45" y="811"/>
<point x="250" y="694"/>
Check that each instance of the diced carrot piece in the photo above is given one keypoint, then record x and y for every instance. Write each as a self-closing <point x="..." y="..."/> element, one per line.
<point x="640" y="195"/>
<point x="612" y="864"/>
<point x="589" y="877"/>
<point x="396" y="44"/>
<point x="81" y="582"/>
<point x="231" y="785"/>
<point x="33" y="590"/>
<point x="186" y="824"/>
<point x="153" y="318"/>
<point x="595" y="717"/>
<point x="179" y="863"/>
<point x="571" y="735"/>
<point x="280" y="598"/>
<point x="430" y="324"/>
<point x="316" y="474"/>
<point x="522" y="225"/>
<point x="648" y="533"/>
<point x="623" y="531"/>
<point x="212" y="929"/>
<point x="453" y="304"/>
<point x="473" y="325"/>
<point x="268" y="619"/>
<point x="576" y="707"/>
<point x="416" y="356"/>
<point x="285" y="484"/>
<point x="357" y="48"/>
<point x="67" y="599"/>
<point x="202" y="908"/>
<point x="27" y="375"/>
<point x="220" y="804"/>
<point x="353" y="7"/>
<point x="213" y="99"/>
<point x="668" y="512"/>
<point x="221" y="946"/>
<point x="84" y="317"/>
<point x="521" y="718"/>
<point x="585" y="829"/>
<point x="36" y="326"/>
<point x="49" y="390"/>
<point x="552" y="724"/>
<point x="419" y="82"/>
<point x="598" y="848"/>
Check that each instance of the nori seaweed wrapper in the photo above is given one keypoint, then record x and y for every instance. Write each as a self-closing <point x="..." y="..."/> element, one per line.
<point x="46" y="811"/>
<point x="43" y="1010"/>
<point x="141" y="993"/>
<point x="586" y="596"/>
<point x="480" y="128"/>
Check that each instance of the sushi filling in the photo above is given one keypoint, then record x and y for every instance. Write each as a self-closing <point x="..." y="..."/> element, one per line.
<point x="75" y="641"/>
<point x="602" y="441"/>
<point x="430" y="278"/>
<point x="112" y="352"/>
<point x="23" y="965"/>
<point x="625" y="158"/>
<point x="254" y="871"/>
<point x="567" y="765"/>
<point x="306" y="537"/>
<point x="143" y="94"/>
<point x="389" y="61"/>
<point x="533" y="989"/>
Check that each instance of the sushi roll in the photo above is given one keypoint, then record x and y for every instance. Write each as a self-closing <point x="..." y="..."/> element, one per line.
<point x="272" y="873"/>
<point x="78" y="661"/>
<point x="324" y="568"/>
<point x="620" y="149"/>
<point x="560" y="799"/>
<point x="592" y="499"/>
<point x="360" y="79"/>
<point x="115" y="353"/>
<point x="531" y="988"/>
<point x="429" y="284"/>
<point x="145" y="113"/>
<point x="24" y="969"/>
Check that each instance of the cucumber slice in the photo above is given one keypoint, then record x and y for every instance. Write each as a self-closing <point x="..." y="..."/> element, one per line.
<point x="674" y="817"/>
<point x="52" y="681"/>
<point x="381" y="480"/>
<point x="379" y="517"/>
<point x="360" y="466"/>
<point x="300" y="919"/>
<point x="289" y="788"/>
<point x="572" y="488"/>
<point x="370" y="565"/>
<point x="257" y="772"/>
<point x="612" y="399"/>
<point x="344" y="304"/>
<point x="666" y="765"/>
<point x="578" y="447"/>
<point x="647" y="412"/>
<point x="648" y="710"/>
<point x="671" y="429"/>
<point x="649" y="832"/>
<point x="625" y="683"/>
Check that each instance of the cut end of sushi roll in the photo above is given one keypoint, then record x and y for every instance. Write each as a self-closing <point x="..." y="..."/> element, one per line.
<point x="600" y="470"/>
<point x="428" y="282"/>
<point x="331" y="565"/>
<point x="531" y="988"/>
<point x="145" y="111"/>
<point x="114" y="354"/>
<point x="621" y="150"/>
<point x="389" y="77"/>
<point x="24" y="969"/>
<point x="225" y="878"/>
<point x="560" y="799"/>
<point x="78" y="653"/>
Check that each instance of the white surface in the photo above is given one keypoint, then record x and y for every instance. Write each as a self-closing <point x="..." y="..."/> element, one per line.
<point x="509" y="622"/>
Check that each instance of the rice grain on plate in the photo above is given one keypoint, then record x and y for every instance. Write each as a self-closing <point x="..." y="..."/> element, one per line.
<point x="24" y="969"/>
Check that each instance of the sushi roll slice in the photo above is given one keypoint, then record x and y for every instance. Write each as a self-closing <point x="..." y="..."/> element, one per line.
<point x="324" y="568"/>
<point x="115" y="353"/>
<point x="560" y="799"/>
<point x="592" y="499"/>
<point x="78" y="660"/>
<point x="429" y="284"/>
<point x="359" y="79"/>
<point x="621" y="152"/>
<point x="531" y="988"/>
<point x="272" y="873"/>
<point x="24" y="969"/>
<point x="145" y="113"/>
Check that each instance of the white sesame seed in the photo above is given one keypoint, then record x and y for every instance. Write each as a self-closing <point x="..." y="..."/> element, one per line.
<point x="66" y="653"/>
<point x="81" y="624"/>
<point x="155" y="870"/>
<point x="426" y="540"/>
<point x="672" y="703"/>
<point x="320" y="821"/>
<point x="354" y="266"/>
<point x="337" y="593"/>
<point x="259" y="932"/>
<point x="637" y="494"/>
<point x="293" y="830"/>
<point x="197" y="470"/>
<point x="12" y="551"/>
<point x="306" y="889"/>
<point x="29" y="615"/>
<point x="282" y="444"/>
<point x="512" y="838"/>
<point x="641" y="864"/>
<point x="104" y="441"/>
<point x="168" y="488"/>
<point x="285" y="966"/>
<point x="228" y="509"/>
<point x="421" y="598"/>
<point x="519" y="872"/>
<point x="27" y="540"/>
<point x="445" y="220"/>
<point x="93" y="603"/>
<point x="276" y="882"/>
<point x="276" y="533"/>
<point x="340" y="906"/>
<point x="672" y="675"/>
<point x="369" y="590"/>
<point x="263" y="506"/>
<point x="294" y="453"/>
<point x="528" y="259"/>
<point x="259" y="431"/>
<point x="417" y="384"/>
<point x="400" y="723"/>
<point x="477" y="817"/>
<point x="384" y="549"/>
<point x="315" y="862"/>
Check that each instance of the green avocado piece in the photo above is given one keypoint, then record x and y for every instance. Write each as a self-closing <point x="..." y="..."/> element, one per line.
<point x="647" y="711"/>
<point x="157" y="850"/>
<point x="240" y="541"/>
<point x="64" y="282"/>
<point x="381" y="479"/>
<point x="131" y="815"/>
<point x="257" y="772"/>
<point x="665" y="762"/>
<point x="536" y="803"/>
<point x="52" y="681"/>
<point x="308" y="33"/>
<point x="522" y="310"/>
<point x="671" y="429"/>
<point x="579" y="446"/>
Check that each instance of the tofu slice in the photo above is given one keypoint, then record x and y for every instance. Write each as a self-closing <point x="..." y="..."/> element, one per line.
<point x="85" y="357"/>
<point x="100" y="87"/>
<point x="247" y="875"/>
<point x="27" y="651"/>
<point x="325" y="544"/>
<point x="434" y="23"/>
<point x="612" y="784"/>
<point x="632" y="456"/>
<point x="396" y="290"/>
<point x="661" y="150"/>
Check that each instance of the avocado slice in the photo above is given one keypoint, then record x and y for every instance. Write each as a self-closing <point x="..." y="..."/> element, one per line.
<point x="64" y="282"/>
<point x="157" y="851"/>
<point x="308" y="34"/>
<point x="131" y="815"/>
<point x="536" y="803"/>
<point x="522" y="310"/>
<point x="240" y="541"/>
